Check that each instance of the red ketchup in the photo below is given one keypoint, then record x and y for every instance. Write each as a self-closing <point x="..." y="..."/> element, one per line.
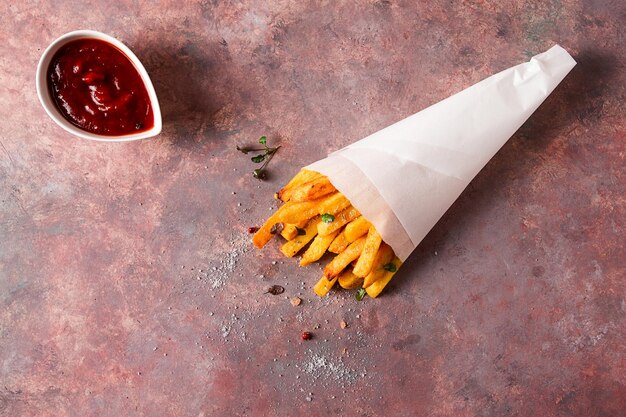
<point x="98" y="89"/>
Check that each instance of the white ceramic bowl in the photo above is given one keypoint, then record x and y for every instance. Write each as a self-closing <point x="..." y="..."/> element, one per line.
<point x="48" y="102"/>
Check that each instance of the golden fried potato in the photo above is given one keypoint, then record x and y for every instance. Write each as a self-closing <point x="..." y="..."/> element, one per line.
<point x="342" y="260"/>
<point x="378" y="286"/>
<point x="333" y="204"/>
<point x="300" y="178"/>
<point x="292" y="247"/>
<point x="348" y="280"/>
<point x="290" y="231"/>
<point x="263" y="235"/>
<point x="317" y="248"/>
<point x="383" y="257"/>
<point x="339" y="244"/>
<point x="315" y="212"/>
<point x="312" y="190"/>
<point x="357" y="228"/>
<point x="339" y="220"/>
<point x="298" y="212"/>
<point x="323" y="286"/>
<point x="366" y="260"/>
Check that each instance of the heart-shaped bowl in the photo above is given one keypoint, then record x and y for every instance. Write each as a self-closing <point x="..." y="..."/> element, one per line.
<point x="49" y="104"/>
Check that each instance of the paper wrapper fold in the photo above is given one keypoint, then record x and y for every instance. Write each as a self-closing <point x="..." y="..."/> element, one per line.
<point x="405" y="177"/>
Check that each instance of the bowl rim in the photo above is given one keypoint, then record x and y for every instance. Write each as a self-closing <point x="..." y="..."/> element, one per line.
<point x="51" y="108"/>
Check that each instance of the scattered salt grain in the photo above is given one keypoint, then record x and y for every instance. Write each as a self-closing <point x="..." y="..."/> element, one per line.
<point x="225" y="331"/>
<point x="320" y="366"/>
<point x="226" y="262"/>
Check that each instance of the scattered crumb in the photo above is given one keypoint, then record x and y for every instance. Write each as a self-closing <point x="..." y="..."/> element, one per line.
<point x="296" y="301"/>
<point x="343" y="324"/>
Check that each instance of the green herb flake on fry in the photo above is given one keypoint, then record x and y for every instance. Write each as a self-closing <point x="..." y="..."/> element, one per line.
<point x="391" y="267"/>
<point x="328" y="218"/>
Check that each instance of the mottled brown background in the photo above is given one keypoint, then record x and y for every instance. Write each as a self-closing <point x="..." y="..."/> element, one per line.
<point x="127" y="283"/>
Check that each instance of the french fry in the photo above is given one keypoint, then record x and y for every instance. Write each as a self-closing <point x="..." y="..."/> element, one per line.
<point x="348" y="280"/>
<point x="300" y="178"/>
<point x="363" y="260"/>
<point x="263" y="235"/>
<point x="356" y="228"/>
<point x="290" y="231"/>
<point x="340" y="243"/>
<point x="377" y="287"/>
<point x="340" y="219"/>
<point x="292" y="247"/>
<point x="312" y="190"/>
<point x="334" y="204"/>
<point x="323" y="286"/>
<point x="383" y="257"/>
<point x="317" y="248"/>
<point x="366" y="259"/>
<point x="297" y="212"/>
<point x="342" y="260"/>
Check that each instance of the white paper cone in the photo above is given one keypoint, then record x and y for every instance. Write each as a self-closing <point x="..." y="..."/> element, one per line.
<point x="405" y="177"/>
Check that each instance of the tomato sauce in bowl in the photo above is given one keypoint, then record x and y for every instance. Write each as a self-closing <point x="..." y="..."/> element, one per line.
<point x="96" y="87"/>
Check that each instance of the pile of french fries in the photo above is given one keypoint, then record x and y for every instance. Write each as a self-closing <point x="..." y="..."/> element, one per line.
<point x="315" y="212"/>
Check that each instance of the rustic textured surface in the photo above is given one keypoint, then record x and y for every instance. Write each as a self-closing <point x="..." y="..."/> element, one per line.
<point x="127" y="283"/>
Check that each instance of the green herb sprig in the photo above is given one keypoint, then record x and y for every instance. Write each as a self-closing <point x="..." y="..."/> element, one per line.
<point x="265" y="157"/>
<point x="391" y="267"/>
<point x="328" y="218"/>
<point x="360" y="293"/>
